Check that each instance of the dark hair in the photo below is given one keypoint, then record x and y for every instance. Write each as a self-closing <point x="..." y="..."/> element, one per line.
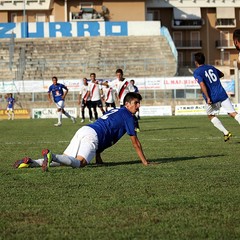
<point x="119" y="70"/>
<point x="54" y="77"/>
<point x="93" y="74"/>
<point x="199" y="58"/>
<point x="132" y="81"/>
<point x="130" y="96"/>
<point x="236" y="34"/>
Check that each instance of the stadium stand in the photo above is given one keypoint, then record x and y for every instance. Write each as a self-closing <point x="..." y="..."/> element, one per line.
<point x="71" y="58"/>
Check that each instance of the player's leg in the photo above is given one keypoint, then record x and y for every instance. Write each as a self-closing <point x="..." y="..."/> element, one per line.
<point x="80" y="151"/>
<point x="89" y="106"/>
<point x="27" y="162"/>
<point x="113" y="105"/>
<point x="216" y="122"/>
<point x="61" y="104"/>
<point x="106" y="106"/>
<point x="59" y="112"/>
<point x="13" y="115"/>
<point x="83" y="106"/>
<point x="9" y="114"/>
<point x="94" y="106"/>
<point x="99" y="104"/>
<point x="227" y="105"/>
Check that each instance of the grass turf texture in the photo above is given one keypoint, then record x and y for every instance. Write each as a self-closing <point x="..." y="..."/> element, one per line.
<point x="192" y="192"/>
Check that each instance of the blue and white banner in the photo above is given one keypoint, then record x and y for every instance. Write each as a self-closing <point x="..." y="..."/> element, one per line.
<point x="78" y="29"/>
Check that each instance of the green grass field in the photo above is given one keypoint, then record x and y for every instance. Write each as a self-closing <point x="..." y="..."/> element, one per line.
<point x="192" y="192"/>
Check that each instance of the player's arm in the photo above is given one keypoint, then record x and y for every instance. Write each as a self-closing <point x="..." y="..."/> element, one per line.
<point x="138" y="147"/>
<point x="205" y="92"/>
<point x="49" y="97"/>
<point x="79" y="98"/>
<point x="65" y="93"/>
<point x="87" y="95"/>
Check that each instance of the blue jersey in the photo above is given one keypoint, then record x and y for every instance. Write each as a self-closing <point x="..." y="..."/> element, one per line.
<point x="135" y="89"/>
<point x="211" y="77"/>
<point x="112" y="126"/>
<point x="10" y="101"/>
<point x="57" y="91"/>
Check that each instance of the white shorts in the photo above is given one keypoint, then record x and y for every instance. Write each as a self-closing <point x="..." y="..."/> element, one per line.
<point x="60" y="104"/>
<point x="226" y="104"/>
<point x="10" y="109"/>
<point x="84" y="144"/>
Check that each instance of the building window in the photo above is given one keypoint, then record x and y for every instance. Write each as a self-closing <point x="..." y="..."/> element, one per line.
<point x="195" y="39"/>
<point x="177" y="38"/>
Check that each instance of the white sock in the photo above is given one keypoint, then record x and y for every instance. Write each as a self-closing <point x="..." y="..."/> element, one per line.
<point x="59" y="117"/>
<point x="38" y="163"/>
<point x="66" y="160"/>
<point x="237" y="118"/>
<point x="217" y="123"/>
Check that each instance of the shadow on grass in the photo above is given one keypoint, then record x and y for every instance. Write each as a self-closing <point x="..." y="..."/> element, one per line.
<point x="155" y="161"/>
<point x="164" y="129"/>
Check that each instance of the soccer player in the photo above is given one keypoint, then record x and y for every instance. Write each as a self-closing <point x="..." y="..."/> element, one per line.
<point x="95" y="92"/>
<point x="137" y="91"/>
<point x="121" y="85"/>
<point x="93" y="139"/>
<point x="85" y="101"/>
<point x="109" y="96"/>
<point x="236" y="39"/>
<point x="59" y="92"/>
<point x="10" y="106"/>
<point x="214" y="94"/>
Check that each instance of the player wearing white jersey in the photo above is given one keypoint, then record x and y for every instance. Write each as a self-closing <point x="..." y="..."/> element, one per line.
<point x="85" y="101"/>
<point x="121" y="85"/>
<point x="109" y="96"/>
<point x="95" y="92"/>
<point x="214" y="94"/>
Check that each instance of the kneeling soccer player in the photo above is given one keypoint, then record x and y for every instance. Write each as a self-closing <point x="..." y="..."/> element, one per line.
<point x="91" y="140"/>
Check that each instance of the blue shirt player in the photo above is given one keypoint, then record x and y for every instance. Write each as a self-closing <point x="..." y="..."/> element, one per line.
<point x="59" y="92"/>
<point x="10" y="106"/>
<point x="93" y="139"/>
<point x="213" y="92"/>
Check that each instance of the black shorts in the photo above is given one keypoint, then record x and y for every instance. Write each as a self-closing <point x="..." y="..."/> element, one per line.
<point x="97" y="103"/>
<point x="110" y="104"/>
<point x="87" y="104"/>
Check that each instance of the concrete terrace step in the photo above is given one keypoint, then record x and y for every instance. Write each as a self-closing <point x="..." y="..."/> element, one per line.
<point x="68" y="57"/>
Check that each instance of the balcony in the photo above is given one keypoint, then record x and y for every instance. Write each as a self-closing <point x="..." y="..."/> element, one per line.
<point x="225" y="23"/>
<point x="187" y="24"/>
<point x="224" y="44"/>
<point x="190" y="44"/>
